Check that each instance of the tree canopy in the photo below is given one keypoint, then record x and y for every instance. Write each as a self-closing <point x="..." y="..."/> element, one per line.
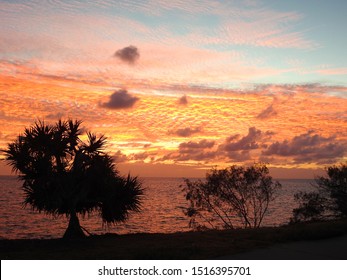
<point x="63" y="175"/>
<point x="328" y="200"/>
<point x="232" y="197"/>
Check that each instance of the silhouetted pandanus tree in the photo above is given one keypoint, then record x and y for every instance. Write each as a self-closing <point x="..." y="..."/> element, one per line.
<point x="62" y="175"/>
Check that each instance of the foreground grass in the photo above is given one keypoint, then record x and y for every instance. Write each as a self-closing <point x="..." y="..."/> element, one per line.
<point x="182" y="245"/>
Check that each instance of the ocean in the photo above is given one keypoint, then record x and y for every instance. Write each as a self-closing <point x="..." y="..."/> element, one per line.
<point x="162" y="211"/>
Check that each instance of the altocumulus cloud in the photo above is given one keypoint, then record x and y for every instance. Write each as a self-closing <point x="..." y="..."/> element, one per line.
<point x="128" y="54"/>
<point x="120" y="99"/>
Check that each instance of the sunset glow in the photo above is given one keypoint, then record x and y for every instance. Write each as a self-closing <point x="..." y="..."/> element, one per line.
<point x="178" y="87"/>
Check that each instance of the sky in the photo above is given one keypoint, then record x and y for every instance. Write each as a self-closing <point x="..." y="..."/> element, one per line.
<point x="179" y="87"/>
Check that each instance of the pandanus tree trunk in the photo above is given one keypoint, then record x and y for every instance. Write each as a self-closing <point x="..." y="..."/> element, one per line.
<point x="74" y="230"/>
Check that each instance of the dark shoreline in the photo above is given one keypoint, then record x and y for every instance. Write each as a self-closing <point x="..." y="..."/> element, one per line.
<point x="180" y="245"/>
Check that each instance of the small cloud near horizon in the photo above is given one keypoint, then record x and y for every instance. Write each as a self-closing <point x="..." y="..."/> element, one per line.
<point x="197" y="151"/>
<point x="119" y="157"/>
<point x="185" y="132"/>
<point x="128" y="54"/>
<point x="183" y="100"/>
<point x="120" y="99"/>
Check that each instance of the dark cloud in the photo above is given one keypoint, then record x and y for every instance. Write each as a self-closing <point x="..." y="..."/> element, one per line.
<point x="270" y="133"/>
<point x="235" y="147"/>
<point x="267" y="113"/>
<point x="239" y="156"/>
<point x="128" y="54"/>
<point x="272" y="109"/>
<point x="183" y="100"/>
<point x="206" y="156"/>
<point x="142" y="156"/>
<point x="203" y="144"/>
<point x="248" y="142"/>
<point x="185" y="132"/>
<point x="238" y="148"/>
<point x="198" y="151"/>
<point x="120" y="157"/>
<point x="120" y="99"/>
<point x="308" y="147"/>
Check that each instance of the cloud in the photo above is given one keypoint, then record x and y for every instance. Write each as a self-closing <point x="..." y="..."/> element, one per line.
<point x="205" y="156"/>
<point x="185" y="132"/>
<point x="307" y="148"/>
<point x="267" y="113"/>
<point x="128" y="54"/>
<point x="183" y="100"/>
<point x="120" y="99"/>
<point x="238" y="148"/>
<point x="197" y="151"/>
<point x="203" y="144"/>
<point x="239" y="156"/>
<point x="248" y="142"/>
<point x="333" y="71"/>
<point x="120" y="157"/>
<point x="142" y="156"/>
<point x="287" y="93"/>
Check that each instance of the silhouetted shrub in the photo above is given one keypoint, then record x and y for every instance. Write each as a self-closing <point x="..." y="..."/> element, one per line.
<point x="328" y="201"/>
<point x="231" y="197"/>
<point x="311" y="207"/>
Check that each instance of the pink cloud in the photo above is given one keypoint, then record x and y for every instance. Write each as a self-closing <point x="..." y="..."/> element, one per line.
<point x="333" y="71"/>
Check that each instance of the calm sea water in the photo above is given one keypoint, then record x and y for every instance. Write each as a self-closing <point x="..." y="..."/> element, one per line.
<point x="162" y="211"/>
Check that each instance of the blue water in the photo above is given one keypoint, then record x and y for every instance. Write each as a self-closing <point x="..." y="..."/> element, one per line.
<point x="162" y="211"/>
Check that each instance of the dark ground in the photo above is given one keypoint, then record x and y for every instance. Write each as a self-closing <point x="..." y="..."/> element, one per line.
<point x="320" y="240"/>
<point x="334" y="248"/>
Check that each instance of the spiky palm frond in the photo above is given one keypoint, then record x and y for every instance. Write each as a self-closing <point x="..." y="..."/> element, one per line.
<point x="121" y="198"/>
<point x="62" y="175"/>
<point x="94" y="145"/>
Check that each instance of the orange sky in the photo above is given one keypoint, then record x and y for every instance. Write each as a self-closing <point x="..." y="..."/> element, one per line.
<point x="287" y="126"/>
<point x="179" y="87"/>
